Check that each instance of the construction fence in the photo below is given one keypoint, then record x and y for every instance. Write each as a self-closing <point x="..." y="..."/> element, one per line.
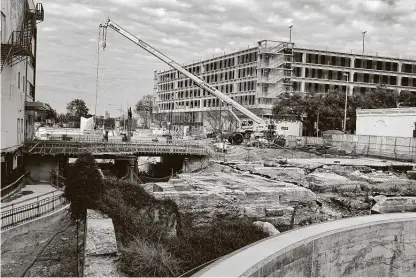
<point x="400" y="148"/>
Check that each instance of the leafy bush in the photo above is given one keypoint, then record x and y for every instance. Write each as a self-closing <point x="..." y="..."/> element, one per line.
<point x="83" y="186"/>
<point x="147" y="252"/>
<point x="127" y="204"/>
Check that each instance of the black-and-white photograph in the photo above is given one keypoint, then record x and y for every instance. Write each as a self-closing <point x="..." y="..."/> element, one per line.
<point x="222" y="138"/>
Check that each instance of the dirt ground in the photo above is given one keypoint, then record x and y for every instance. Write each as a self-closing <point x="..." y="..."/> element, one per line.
<point x="58" y="259"/>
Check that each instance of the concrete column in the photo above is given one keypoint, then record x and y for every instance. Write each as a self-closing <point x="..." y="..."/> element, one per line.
<point x="351" y="82"/>
<point x="352" y="63"/>
<point x="302" y="86"/>
<point x="133" y="169"/>
<point x="399" y="77"/>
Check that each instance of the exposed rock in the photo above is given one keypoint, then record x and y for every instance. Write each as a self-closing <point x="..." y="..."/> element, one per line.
<point x="266" y="227"/>
<point x="411" y="174"/>
<point x="282" y="173"/>
<point x="254" y="212"/>
<point x="331" y="182"/>
<point x="270" y="163"/>
<point x="221" y="195"/>
<point x="394" y="204"/>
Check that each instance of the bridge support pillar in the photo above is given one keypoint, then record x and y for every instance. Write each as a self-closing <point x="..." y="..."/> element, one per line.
<point x="126" y="167"/>
<point x="194" y="163"/>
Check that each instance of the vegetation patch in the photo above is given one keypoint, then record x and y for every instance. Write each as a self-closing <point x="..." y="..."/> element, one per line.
<point x="154" y="239"/>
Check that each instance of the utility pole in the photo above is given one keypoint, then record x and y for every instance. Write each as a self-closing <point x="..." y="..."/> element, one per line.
<point x="290" y="33"/>
<point x="363" y="39"/>
<point x="346" y="101"/>
<point x="317" y="125"/>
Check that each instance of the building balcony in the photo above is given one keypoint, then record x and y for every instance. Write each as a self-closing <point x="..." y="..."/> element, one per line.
<point x="37" y="106"/>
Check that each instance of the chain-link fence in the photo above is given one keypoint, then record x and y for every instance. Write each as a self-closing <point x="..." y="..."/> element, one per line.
<point x="400" y="148"/>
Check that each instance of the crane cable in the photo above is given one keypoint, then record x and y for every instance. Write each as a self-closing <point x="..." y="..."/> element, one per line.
<point x="98" y="66"/>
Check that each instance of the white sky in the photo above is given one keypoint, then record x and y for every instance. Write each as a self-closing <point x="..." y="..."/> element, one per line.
<point x="191" y="30"/>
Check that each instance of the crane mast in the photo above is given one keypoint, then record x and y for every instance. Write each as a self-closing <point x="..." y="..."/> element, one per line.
<point x="199" y="82"/>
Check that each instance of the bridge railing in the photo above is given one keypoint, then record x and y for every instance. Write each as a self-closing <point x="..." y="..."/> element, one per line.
<point x="21" y="212"/>
<point x="55" y="147"/>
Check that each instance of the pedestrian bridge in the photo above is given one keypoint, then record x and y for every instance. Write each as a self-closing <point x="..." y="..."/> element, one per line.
<point x="111" y="149"/>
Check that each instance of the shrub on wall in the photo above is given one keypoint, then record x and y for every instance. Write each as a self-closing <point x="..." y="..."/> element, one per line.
<point x="83" y="186"/>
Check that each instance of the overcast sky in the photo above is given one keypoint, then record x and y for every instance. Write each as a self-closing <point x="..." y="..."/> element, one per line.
<point x="191" y="30"/>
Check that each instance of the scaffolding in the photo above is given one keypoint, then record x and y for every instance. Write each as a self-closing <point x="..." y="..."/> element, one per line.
<point x="144" y="148"/>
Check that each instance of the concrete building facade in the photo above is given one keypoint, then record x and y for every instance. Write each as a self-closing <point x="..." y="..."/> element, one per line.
<point x="254" y="77"/>
<point x="18" y="79"/>
<point x="395" y="122"/>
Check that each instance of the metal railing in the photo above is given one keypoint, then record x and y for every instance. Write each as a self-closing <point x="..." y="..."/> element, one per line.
<point x="21" y="212"/>
<point x="347" y="50"/>
<point x="13" y="186"/>
<point x="97" y="147"/>
<point x="57" y="180"/>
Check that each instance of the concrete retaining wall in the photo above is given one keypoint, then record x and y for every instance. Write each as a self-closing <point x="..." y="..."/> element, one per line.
<point x="100" y="253"/>
<point x="35" y="224"/>
<point x="375" y="245"/>
<point x="40" y="167"/>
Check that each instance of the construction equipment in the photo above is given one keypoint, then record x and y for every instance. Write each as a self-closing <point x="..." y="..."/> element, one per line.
<point x="255" y="124"/>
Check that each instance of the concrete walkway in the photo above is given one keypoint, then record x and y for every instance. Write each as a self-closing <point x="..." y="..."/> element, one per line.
<point x="36" y="190"/>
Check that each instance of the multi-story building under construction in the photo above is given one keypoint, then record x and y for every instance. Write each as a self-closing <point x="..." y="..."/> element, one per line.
<point x="254" y="77"/>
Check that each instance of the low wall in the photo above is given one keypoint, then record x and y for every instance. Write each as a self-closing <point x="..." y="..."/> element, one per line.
<point x="376" y="245"/>
<point x="100" y="252"/>
<point x="35" y="224"/>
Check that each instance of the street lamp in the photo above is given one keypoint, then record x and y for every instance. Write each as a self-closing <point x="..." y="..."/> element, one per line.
<point x="346" y="100"/>
<point x="290" y="33"/>
<point x="363" y="39"/>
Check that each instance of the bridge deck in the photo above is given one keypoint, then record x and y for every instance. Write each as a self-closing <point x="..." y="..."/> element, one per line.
<point x="74" y="148"/>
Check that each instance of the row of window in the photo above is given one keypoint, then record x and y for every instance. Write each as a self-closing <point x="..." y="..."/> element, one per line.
<point x="331" y="60"/>
<point x="207" y="103"/>
<point x="358" y="77"/>
<point x="226" y="88"/>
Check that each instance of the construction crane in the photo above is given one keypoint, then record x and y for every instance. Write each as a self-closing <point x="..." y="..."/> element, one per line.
<point x="259" y="125"/>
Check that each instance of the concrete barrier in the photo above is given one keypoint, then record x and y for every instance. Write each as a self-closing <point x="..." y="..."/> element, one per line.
<point x="376" y="245"/>
<point x="100" y="252"/>
<point x="35" y="224"/>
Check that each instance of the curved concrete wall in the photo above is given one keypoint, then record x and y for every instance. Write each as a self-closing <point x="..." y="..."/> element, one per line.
<point x="375" y="245"/>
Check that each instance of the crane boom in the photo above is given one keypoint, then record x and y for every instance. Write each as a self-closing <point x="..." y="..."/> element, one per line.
<point x="199" y="82"/>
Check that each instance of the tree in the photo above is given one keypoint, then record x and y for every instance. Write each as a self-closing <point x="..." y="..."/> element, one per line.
<point x="220" y="121"/>
<point x="407" y="99"/>
<point x="299" y="107"/>
<point x="62" y="118"/>
<point x="330" y="107"/>
<point x="77" y="109"/>
<point x="144" y="109"/>
<point x="83" y="186"/>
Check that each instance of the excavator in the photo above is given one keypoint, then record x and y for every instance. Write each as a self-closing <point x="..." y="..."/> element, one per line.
<point x="244" y="129"/>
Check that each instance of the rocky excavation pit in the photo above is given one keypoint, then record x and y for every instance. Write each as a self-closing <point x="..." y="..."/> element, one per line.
<point x="291" y="192"/>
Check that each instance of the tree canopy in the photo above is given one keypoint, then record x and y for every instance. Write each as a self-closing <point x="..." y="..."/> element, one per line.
<point x="83" y="186"/>
<point x="330" y="107"/>
<point x="144" y="109"/>
<point x="77" y="108"/>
